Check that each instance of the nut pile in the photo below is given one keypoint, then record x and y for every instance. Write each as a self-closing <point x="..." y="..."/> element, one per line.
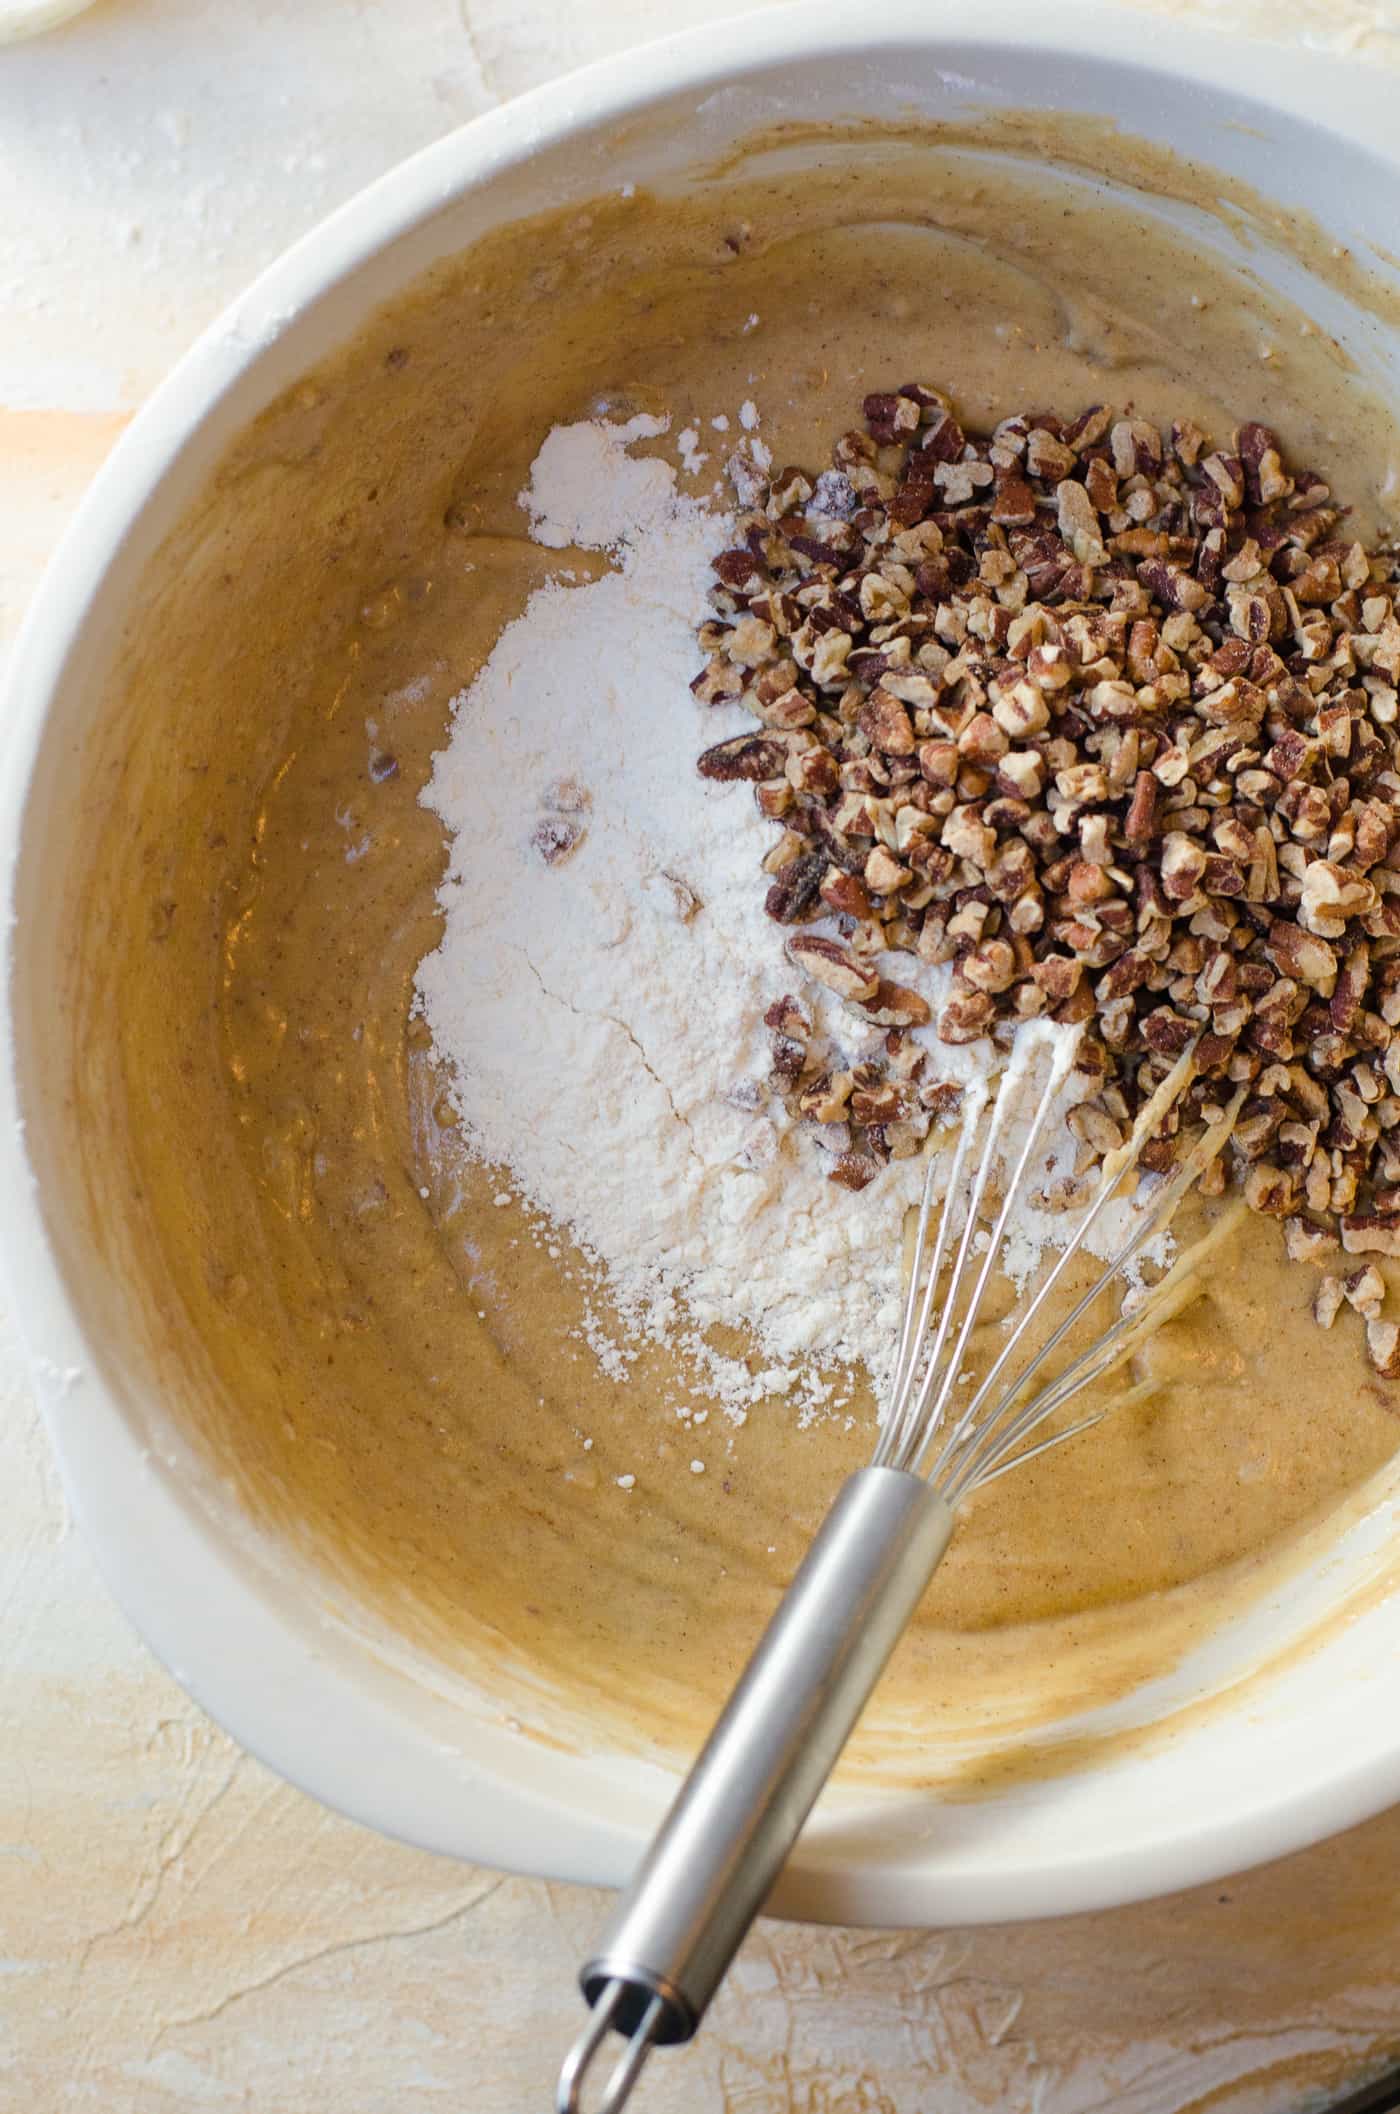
<point x="1105" y="720"/>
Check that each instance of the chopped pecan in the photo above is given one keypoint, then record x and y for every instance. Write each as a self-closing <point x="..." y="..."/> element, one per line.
<point x="1371" y="1233"/>
<point x="966" y="1018"/>
<point x="853" y="1170"/>
<point x="1168" y="1033"/>
<point x="1140" y="822"/>
<point x="1365" y="1290"/>
<point x="750" y="756"/>
<point x="795" y="891"/>
<point x="845" y="893"/>
<point x="1058" y="976"/>
<point x="786" y="1017"/>
<point x="1328" y="1301"/>
<point x="1271" y="1190"/>
<point x="1113" y="728"/>
<point x="1383" y="1348"/>
<point x="989" y="966"/>
<point x="833" y="965"/>
<point x="887" y="723"/>
<point x="1307" y="1243"/>
<point x="555" y="837"/>
<point x="884" y="875"/>
<point x="1183" y="865"/>
<point x="896" y="1006"/>
<point x="1331" y="896"/>
<point x="1302" y="955"/>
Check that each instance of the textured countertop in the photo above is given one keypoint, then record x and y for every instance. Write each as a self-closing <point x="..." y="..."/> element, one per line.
<point x="178" y="1928"/>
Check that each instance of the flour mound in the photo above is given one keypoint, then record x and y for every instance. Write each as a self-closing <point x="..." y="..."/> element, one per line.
<point x="599" y="992"/>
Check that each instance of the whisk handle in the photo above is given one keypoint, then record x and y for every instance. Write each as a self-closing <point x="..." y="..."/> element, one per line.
<point x="736" y="1817"/>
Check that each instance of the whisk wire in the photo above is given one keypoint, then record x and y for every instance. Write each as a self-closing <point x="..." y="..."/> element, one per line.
<point x="992" y="1439"/>
<point x="1121" y="1337"/>
<point x="937" y="1368"/>
<point x="1123" y="1162"/>
<point x="1064" y="1051"/>
<point x="902" y="1420"/>
<point x="605" y="2015"/>
<point x="923" y="1386"/>
<point x="959" y="1454"/>
<point x="1118" y="1343"/>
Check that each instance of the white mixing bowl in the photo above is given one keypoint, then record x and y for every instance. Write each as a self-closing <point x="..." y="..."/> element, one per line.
<point x="1306" y="1747"/>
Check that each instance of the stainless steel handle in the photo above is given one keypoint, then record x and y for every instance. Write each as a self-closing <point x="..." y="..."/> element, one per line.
<point x="736" y="1817"/>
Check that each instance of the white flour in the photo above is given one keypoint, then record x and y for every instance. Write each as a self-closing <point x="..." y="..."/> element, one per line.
<point x="603" y="1014"/>
<point x="586" y="490"/>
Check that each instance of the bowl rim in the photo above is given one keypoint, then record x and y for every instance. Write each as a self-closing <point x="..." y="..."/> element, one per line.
<point x="280" y="1695"/>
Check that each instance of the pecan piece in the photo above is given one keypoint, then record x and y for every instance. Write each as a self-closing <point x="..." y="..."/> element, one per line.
<point x="1365" y="1290"/>
<point x="788" y="1058"/>
<point x="1383" y="1348"/>
<point x="887" y="723"/>
<point x="1328" y="1301"/>
<point x="1140" y="822"/>
<point x="884" y="876"/>
<point x="853" y="1170"/>
<point x="795" y="891"/>
<point x="1079" y="523"/>
<point x="890" y="417"/>
<point x="1271" y="1190"/>
<point x="895" y="1006"/>
<point x="1183" y="865"/>
<point x="966" y="1018"/>
<point x="556" y="837"/>
<point x="1305" y="1242"/>
<point x="1128" y="974"/>
<point x="1058" y="976"/>
<point x="845" y="893"/>
<point x="1013" y="503"/>
<point x="1371" y="1233"/>
<point x="1166" y="1032"/>
<point x="1330" y="896"/>
<point x="745" y="756"/>
<point x="1302" y="955"/>
<point x="833" y="965"/>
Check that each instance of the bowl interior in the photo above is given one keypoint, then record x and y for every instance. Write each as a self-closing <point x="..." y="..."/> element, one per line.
<point x="277" y="1650"/>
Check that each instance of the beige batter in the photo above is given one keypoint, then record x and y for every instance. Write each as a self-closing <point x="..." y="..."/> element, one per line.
<point x="390" y="1375"/>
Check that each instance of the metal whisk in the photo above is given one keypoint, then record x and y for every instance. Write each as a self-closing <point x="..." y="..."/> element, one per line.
<point x="721" y="1846"/>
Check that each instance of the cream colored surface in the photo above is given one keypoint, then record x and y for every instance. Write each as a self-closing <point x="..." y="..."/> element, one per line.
<point x="180" y="1930"/>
